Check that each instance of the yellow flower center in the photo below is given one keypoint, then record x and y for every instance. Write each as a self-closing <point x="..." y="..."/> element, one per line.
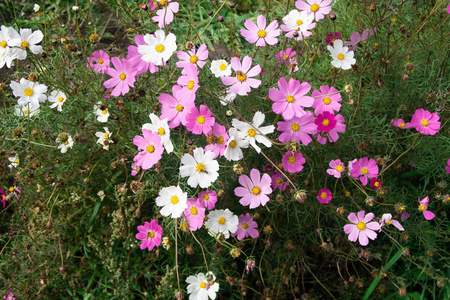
<point x="3" y="44"/>
<point x="389" y="223"/>
<point x="174" y="200"/>
<point x="323" y="195"/>
<point x="325" y="122"/>
<point x="262" y="33"/>
<point x="24" y="44"/>
<point x="100" y="61"/>
<point x="364" y="170"/>
<point x="241" y="76"/>
<point x="299" y="22"/>
<point x="205" y="197"/>
<point x="161" y="131"/>
<point x="200" y="168"/>
<point x="60" y="99"/>
<point x="179" y="107"/>
<point x="402" y="125"/>
<point x="11" y="189"/>
<point x="122" y="76"/>
<point x="377" y="184"/>
<point x="221" y="220"/>
<point x="26" y="111"/>
<point x="16" y="160"/>
<point x="340" y="56"/>
<point x="280" y="166"/>
<point x="220" y="140"/>
<point x="290" y="99"/>
<point x="232" y="144"/>
<point x="292" y="159"/>
<point x="314" y="7"/>
<point x="361" y="225"/>
<point x="150" y="235"/>
<point x="326" y="100"/>
<point x="201" y="120"/>
<point x="286" y="56"/>
<point x="244" y="226"/>
<point x="422" y="207"/>
<point x="162" y="2"/>
<point x="106" y="134"/>
<point x="256" y="190"/>
<point x="278" y="180"/>
<point x="193" y="59"/>
<point x="251" y="132"/>
<point x="105" y="111"/>
<point x="222" y="67"/>
<point x="339" y="168"/>
<point x="425" y="123"/>
<point x="295" y="127"/>
<point x="194" y="210"/>
<point x="203" y="284"/>
<point x="190" y="85"/>
<point x="150" y="149"/>
<point x="159" y="48"/>
<point x="28" y="92"/>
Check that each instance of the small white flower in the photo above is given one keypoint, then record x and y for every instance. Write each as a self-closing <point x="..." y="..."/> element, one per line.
<point x="173" y="201"/>
<point x="202" y="169"/>
<point x="25" y="110"/>
<point x="29" y="92"/>
<point x="58" y="98"/>
<point x="26" y="40"/>
<point x="14" y="161"/>
<point x="299" y="22"/>
<point x="165" y="243"/>
<point x="220" y="68"/>
<point x="161" y="127"/>
<point x="222" y="221"/>
<point x="65" y="142"/>
<point x="36" y="7"/>
<point x="159" y="48"/>
<point x="102" y="112"/>
<point x="227" y="98"/>
<point x="253" y="132"/>
<point x="7" y="54"/>
<point x="104" y="138"/>
<point x="201" y="287"/>
<point x="342" y="58"/>
<point x="386" y="219"/>
<point x="234" y="144"/>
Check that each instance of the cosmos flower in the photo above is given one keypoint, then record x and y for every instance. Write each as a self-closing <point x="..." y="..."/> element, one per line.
<point x="99" y="62"/>
<point x="242" y="83"/>
<point x="254" y="190"/>
<point x="336" y="168"/>
<point x="123" y="76"/>
<point x="175" y="108"/>
<point x="161" y="127"/>
<point x="423" y="207"/>
<point x="150" y="149"/>
<point x="364" y="169"/>
<point x="260" y="33"/>
<point x="297" y="129"/>
<point x="29" y="92"/>
<point x="193" y="57"/>
<point x="194" y="213"/>
<point x="386" y="219"/>
<point x="254" y="132"/>
<point x="57" y="98"/>
<point x="342" y="58"/>
<point x="324" y="196"/>
<point x="200" y="121"/>
<point x="208" y="198"/>
<point x="426" y="122"/>
<point x="400" y="123"/>
<point x="222" y="222"/>
<point x="158" y="48"/>
<point x="318" y="8"/>
<point x="361" y="229"/>
<point x="327" y="99"/>
<point x="246" y="227"/>
<point x="149" y="234"/>
<point x="202" y="287"/>
<point x="220" y="68"/>
<point x="201" y="168"/>
<point x="297" y="24"/>
<point x="173" y="201"/>
<point x="293" y="162"/>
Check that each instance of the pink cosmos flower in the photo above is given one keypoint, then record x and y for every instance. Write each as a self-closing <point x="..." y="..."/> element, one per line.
<point x="331" y="37"/>
<point x="324" y="196"/>
<point x="259" y="33"/>
<point x="283" y="56"/>
<point x="364" y="169"/>
<point x="278" y="181"/>
<point x="448" y="9"/>
<point x="3" y="197"/>
<point x="10" y="296"/>
<point x="447" y="168"/>
<point x="135" y="169"/>
<point x="404" y="216"/>
<point x="426" y="122"/>
<point x="135" y="60"/>
<point x="332" y="135"/>
<point x="327" y="99"/>
<point x="99" y="62"/>
<point x="193" y="57"/>
<point x="254" y="191"/>
<point x="218" y="139"/>
<point x="317" y="7"/>
<point x="189" y="80"/>
<point x="376" y="183"/>
<point x="293" y="162"/>
<point x="386" y="219"/>
<point x="361" y="229"/>
<point x="194" y="213"/>
<point x="400" y="123"/>
<point x="423" y="206"/>
<point x="325" y="121"/>
<point x="123" y="76"/>
<point x="246" y="227"/>
<point x="175" y="108"/>
<point x="149" y="234"/>
<point x="298" y="129"/>
<point x="290" y="99"/>
<point x="199" y="122"/>
<point x="164" y="16"/>
<point x="208" y="198"/>
<point x="241" y="84"/>
<point x="150" y="149"/>
<point x="356" y="38"/>
<point x="337" y="167"/>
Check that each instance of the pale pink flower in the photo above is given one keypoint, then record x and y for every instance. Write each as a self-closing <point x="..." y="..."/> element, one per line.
<point x="356" y="38"/>
<point x="194" y="213"/>
<point x="149" y="234"/>
<point x="337" y="167"/>
<point x="175" y="108"/>
<point x="99" y="62"/>
<point x="293" y="162"/>
<point x="423" y="206"/>
<point x="317" y="7"/>
<point x="361" y="229"/>
<point x="123" y="76"/>
<point x="246" y="227"/>
<point x="189" y="80"/>
<point x="135" y="58"/>
<point x="193" y="57"/>
<point x="259" y="33"/>
<point x="242" y="83"/>
<point x="150" y="149"/>
<point x="400" y="123"/>
<point x="364" y="169"/>
<point x="199" y="122"/>
<point x="208" y="198"/>
<point x="218" y="139"/>
<point x="164" y="16"/>
<point x="386" y="219"/>
<point x="284" y="56"/>
<point x="426" y="122"/>
<point x="254" y="190"/>
<point x="298" y="129"/>
<point x="327" y="99"/>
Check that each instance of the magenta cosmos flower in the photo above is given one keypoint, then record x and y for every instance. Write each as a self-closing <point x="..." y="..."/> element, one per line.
<point x="246" y="227"/>
<point x="400" y="123"/>
<point x="135" y="58"/>
<point x="317" y="7"/>
<point x="199" y="122"/>
<point x="164" y="16"/>
<point x="376" y="183"/>
<point x="336" y="168"/>
<point x="208" y="198"/>
<point x="175" y="108"/>
<point x="324" y="196"/>
<point x="284" y="56"/>
<point x="217" y="140"/>
<point x="254" y="190"/>
<point x="325" y="121"/>
<point x="290" y="99"/>
<point x="150" y="149"/>
<point x="423" y="206"/>
<point x="447" y="168"/>
<point x="194" y="213"/>
<point x="327" y="99"/>
<point x="123" y="76"/>
<point x="278" y="181"/>
<point x="361" y="229"/>
<point x="259" y="33"/>
<point x="99" y="62"/>
<point x="426" y="122"/>
<point x="364" y="169"/>
<point x="293" y="162"/>
<point x="332" y="135"/>
<point x="149" y="234"/>
<point x="298" y="129"/>
<point x="331" y="37"/>
<point x="193" y="57"/>
<point x="241" y="84"/>
<point x="3" y="197"/>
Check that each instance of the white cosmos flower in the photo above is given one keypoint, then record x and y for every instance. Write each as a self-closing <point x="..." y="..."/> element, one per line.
<point x="202" y="169"/>
<point x="253" y="132"/>
<point x="222" y="221"/>
<point x="161" y="127"/>
<point x="7" y="55"/>
<point x="65" y="142"/>
<point x="104" y="138"/>
<point x="220" y="68"/>
<point x="299" y="22"/>
<point x="227" y="98"/>
<point x="234" y="144"/>
<point x="25" y="110"/>
<point x="36" y="7"/>
<point x="57" y="98"/>
<point x="102" y="112"/>
<point x="29" y="92"/>
<point x="14" y="161"/>
<point x="26" y="40"/>
<point x="202" y="286"/>
<point x="159" y="48"/>
<point x="342" y="58"/>
<point x="386" y="219"/>
<point x="173" y="201"/>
